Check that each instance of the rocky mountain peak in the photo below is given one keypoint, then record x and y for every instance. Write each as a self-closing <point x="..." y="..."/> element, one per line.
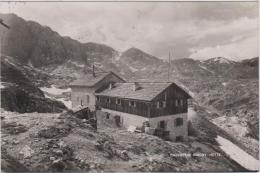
<point x="219" y="60"/>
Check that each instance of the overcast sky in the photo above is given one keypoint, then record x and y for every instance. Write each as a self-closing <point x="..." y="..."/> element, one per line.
<point x="199" y="30"/>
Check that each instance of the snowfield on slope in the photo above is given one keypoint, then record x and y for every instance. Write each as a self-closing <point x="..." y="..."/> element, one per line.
<point x="55" y="91"/>
<point x="205" y="68"/>
<point x="238" y="154"/>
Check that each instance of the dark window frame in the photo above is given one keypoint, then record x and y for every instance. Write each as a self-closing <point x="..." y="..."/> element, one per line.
<point x="163" y="124"/>
<point x="118" y="101"/>
<point x="179" y="138"/>
<point x="132" y="103"/>
<point x="178" y="122"/>
<point x="160" y="104"/>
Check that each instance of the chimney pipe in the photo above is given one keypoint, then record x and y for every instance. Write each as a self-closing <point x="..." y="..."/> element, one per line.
<point x="135" y="86"/>
<point x="111" y="85"/>
<point x="93" y="70"/>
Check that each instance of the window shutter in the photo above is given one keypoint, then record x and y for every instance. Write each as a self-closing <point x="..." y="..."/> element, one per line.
<point x="164" y="104"/>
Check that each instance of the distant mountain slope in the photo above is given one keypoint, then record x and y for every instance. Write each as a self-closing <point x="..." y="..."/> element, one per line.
<point x="138" y="58"/>
<point x="29" y="42"/>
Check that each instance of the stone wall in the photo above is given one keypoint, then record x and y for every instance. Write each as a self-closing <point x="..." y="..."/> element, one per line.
<point x="170" y="125"/>
<point x="135" y="120"/>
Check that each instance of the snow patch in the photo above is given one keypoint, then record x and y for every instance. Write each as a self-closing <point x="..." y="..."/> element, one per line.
<point x="133" y="69"/>
<point x="55" y="91"/>
<point x="205" y="68"/>
<point x="67" y="103"/>
<point x="118" y="56"/>
<point x="76" y="63"/>
<point x="1" y="85"/>
<point x="143" y="69"/>
<point x="238" y="154"/>
<point x="221" y="60"/>
<point x="10" y="62"/>
<point x="224" y="83"/>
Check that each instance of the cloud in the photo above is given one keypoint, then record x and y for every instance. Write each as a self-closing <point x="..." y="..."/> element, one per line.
<point x="155" y="27"/>
<point x="247" y="48"/>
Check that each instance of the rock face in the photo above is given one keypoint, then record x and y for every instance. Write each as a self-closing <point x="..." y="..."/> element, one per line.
<point x="19" y="93"/>
<point x="29" y="42"/>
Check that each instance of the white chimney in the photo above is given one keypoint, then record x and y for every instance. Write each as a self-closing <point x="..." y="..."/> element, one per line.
<point x="111" y="85"/>
<point x="136" y="86"/>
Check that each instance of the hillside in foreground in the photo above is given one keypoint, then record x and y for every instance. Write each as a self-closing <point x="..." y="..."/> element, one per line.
<point x="61" y="142"/>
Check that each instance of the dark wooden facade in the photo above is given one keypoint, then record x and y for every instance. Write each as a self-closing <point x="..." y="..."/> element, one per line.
<point x="170" y="96"/>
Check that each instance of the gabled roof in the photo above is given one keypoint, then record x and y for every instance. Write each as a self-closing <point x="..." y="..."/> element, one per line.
<point x="89" y="80"/>
<point x="146" y="92"/>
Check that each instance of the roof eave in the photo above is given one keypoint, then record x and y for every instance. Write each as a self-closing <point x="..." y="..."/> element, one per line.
<point x="98" y="94"/>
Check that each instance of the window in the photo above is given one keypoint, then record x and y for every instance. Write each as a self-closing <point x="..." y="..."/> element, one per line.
<point x="98" y="99"/>
<point x="161" y="104"/>
<point x="108" y="100"/>
<point x="178" y="122"/>
<point x="118" y="101"/>
<point x="179" y="138"/>
<point x="162" y="124"/>
<point x="107" y="115"/>
<point x="181" y="102"/>
<point x="165" y="96"/>
<point x="132" y="103"/>
<point x="164" y="104"/>
<point x="81" y="102"/>
<point x="176" y="103"/>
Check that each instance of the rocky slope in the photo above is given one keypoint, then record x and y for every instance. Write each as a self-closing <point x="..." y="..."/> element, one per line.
<point x="19" y="92"/>
<point x="62" y="142"/>
<point x="30" y="43"/>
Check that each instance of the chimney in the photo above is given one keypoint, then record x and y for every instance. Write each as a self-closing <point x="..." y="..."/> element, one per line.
<point x="111" y="85"/>
<point x="136" y="86"/>
<point x="93" y="70"/>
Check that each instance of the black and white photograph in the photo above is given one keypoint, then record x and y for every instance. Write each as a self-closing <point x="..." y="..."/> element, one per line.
<point x="129" y="86"/>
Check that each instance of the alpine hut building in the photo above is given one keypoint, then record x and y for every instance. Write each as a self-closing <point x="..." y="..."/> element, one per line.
<point x="83" y="90"/>
<point x="163" y="106"/>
